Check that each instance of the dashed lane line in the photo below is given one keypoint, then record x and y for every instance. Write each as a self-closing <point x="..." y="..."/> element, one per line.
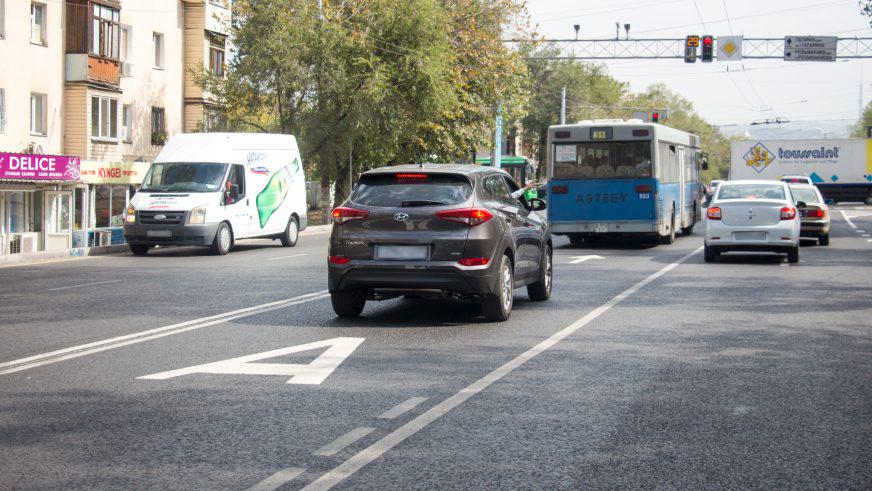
<point x="366" y="456"/>
<point x="343" y="441"/>
<point x="277" y="479"/>
<point x="138" y="337"/>
<point x="402" y="408"/>
<point x="286" y="257"/>
<point x="83" y="284"/>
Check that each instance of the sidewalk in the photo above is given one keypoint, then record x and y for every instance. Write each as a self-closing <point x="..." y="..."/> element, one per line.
<point x="9" y="260"/>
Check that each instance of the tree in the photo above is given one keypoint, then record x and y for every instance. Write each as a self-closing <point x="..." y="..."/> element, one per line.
<point x="375" y="81"/>
<point x="859" y="129"/>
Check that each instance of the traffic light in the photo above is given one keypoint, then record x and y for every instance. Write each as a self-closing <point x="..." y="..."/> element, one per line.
<point x="655" y="117"/>
<point x="708" y="48"/>
<point x="690" y="46"/>
<point x="658" y="115"/>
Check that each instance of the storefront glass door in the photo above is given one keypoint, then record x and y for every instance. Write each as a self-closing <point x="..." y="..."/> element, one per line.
<point x="58" y="220"/>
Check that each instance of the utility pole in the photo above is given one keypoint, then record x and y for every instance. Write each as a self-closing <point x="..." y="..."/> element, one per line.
<point x="563" y="106"/>
<point x="497" y="154"/>
<point x="350" y="168"/>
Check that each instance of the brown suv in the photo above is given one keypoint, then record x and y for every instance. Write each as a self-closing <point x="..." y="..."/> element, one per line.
<point x="450" y="231"/>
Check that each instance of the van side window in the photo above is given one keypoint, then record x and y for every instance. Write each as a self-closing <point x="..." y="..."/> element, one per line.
<point x="237" y="177"/>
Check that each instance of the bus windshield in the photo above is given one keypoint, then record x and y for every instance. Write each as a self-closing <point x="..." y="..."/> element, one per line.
<point x="184" y="178"/>
<point x="603" y="160"/>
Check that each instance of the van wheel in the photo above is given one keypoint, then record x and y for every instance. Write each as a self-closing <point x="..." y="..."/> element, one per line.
<point x="348" y="303"/>
<point x="292" y="233"/>
<point x="670" y="238"/>
<point x="541" y="290"/>
<point x="824" y="240"/>
<point x="498" y="307"/>
<point x="223" y="240"/>
<point x="139" y="249"/>
<point x="793" y="255"/>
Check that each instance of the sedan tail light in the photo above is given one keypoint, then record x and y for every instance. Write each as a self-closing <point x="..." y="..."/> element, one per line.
<point x="788" y="213"/>
<point x="815" y="213"/>
<point x="470" y="216"/>
<point x="713" y="213"/>
<point x="342" y="214"/>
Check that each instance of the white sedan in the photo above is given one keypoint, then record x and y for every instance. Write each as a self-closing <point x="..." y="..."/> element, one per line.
<point x="752" y="216"/>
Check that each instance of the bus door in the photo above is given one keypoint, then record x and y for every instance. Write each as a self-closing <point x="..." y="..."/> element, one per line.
<point x="682" y="196"/>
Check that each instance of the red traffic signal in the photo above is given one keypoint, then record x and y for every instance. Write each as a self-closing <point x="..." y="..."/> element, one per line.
<point x="655" y="117"/>
<point x="708" y="45"/>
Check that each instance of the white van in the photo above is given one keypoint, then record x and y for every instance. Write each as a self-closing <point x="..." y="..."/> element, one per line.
<point x="215" y="188"/>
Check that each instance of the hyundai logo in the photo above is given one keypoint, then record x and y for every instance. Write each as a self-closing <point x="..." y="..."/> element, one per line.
<point x="160" y="217"/>
<point x="401" y="217"/>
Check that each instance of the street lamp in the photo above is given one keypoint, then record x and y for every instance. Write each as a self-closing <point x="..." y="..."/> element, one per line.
<point x="627" y="29"/>
<point x="577" y="27"/>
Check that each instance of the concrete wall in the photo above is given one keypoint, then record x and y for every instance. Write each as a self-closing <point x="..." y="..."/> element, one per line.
<point x="149" y="86"/>
<point x="26" y="67"/>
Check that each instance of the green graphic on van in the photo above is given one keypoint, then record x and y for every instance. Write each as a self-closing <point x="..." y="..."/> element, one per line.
<point x="273" y="195"/>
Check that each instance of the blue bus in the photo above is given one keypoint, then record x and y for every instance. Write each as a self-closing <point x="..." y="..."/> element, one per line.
<point x="615" y="177"/>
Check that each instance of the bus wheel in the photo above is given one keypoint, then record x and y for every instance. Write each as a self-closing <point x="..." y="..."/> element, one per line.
<point x="689" y="229"/>
<point x="575" y="239"/>
<point x="670" y="238"/>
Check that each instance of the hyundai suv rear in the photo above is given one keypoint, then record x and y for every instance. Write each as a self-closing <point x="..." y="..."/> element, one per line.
<point x="451" y="231"/>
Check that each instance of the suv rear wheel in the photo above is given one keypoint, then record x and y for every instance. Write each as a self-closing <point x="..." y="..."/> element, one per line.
<point x="348" y="303"/>
<point x="541" y="290"/>
<point x="498" y="307"/>
<point x="139" y="249"/>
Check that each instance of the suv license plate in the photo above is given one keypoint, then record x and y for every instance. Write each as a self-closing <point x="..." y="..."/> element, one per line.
<point x="401" y="252"/>
<point x="158" y="233"/>
<point x="601" y="228"/>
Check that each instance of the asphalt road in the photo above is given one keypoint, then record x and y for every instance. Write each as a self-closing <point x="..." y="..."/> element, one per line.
<point x="647" y="369"/>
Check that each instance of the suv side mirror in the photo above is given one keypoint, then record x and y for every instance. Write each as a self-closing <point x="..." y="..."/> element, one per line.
<point x="542" y="191"/>
<point x="537" y="204"/>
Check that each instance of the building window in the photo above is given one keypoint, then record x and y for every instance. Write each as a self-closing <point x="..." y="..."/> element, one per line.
<point x="216" y="61"/>
<point x="2" y="110"/>
<point x="37" y="114"/>
<point x="214" y="120"/>
<point x="219" y="3"/>
<point x="104" y="118"/>
<point x="125" y="122"/>
<point x="105" y="32"/>
<point x="157" y="41"/>
<point x="126" y="43"/>
<point x="158" y="126"/>
<point x="109" y="205"/>
<point x="37" y="23"/>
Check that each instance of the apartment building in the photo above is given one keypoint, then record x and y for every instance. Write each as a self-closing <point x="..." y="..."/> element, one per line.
<point x="105" y="83"/>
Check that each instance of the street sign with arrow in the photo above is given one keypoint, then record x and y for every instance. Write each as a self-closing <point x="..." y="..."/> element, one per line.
<point x="810" y="48"/>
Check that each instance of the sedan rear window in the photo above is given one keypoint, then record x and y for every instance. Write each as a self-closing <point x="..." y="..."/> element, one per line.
<point x="806" y="195"/>
<point x="750" y="191"/>
<point x="411" y="189"/>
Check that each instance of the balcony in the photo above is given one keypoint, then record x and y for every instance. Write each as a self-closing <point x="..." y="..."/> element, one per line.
<point x="91" y="68"/>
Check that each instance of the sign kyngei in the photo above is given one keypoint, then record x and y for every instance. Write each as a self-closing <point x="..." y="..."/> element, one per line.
<point x="810" y="48"/>
<point x="35" y="167"/>
<point x="94" y="172"/>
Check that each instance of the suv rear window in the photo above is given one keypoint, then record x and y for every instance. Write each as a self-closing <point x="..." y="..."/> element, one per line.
<point x="408" y="189"/>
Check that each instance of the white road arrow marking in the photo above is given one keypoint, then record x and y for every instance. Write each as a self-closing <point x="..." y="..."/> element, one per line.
<point x="314" y="373"/>
<point x="581" y="259"/>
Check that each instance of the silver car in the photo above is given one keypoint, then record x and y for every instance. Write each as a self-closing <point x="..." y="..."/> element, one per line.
<point x="752" y="216"/>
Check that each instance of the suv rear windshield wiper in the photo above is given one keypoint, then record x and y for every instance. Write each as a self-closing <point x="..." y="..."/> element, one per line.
<point x="422" y="202"/>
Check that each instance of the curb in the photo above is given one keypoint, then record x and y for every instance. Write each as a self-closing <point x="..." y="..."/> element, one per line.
<point x="8" y="260"/>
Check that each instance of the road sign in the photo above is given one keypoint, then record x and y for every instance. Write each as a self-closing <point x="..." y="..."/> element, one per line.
<point x="810" y="48"/>
<point x="729" y="48"/>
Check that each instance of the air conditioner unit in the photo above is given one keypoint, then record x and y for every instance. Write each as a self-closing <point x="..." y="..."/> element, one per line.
<point x="29" y="242"/>
<point x="126" y="69"/>
<point x="102" y="238"/>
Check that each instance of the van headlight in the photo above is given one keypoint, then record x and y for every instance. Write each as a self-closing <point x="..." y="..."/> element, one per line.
<point x="131" y="214"/>
<point x="198" y="215"/>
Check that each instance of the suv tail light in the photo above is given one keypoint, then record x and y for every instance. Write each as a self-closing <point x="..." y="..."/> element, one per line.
<point x="338" y="259"/>
<point x="474" y="261"/>
<point x="713" y="213"/>
<point x="815" y="213"/>
<point x="788" y="213"/>
<point x="342" y="214"/>
<point x="470" y="216"/>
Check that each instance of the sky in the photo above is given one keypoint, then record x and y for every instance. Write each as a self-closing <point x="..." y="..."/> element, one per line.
<point x="753" y="90"/>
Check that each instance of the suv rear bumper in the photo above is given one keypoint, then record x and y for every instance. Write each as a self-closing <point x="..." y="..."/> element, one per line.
<point x="181" y="234"/>
<point x="405" y="277"/>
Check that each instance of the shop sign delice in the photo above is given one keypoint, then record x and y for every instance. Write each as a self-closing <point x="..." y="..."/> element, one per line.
<point x="29" y="167"/>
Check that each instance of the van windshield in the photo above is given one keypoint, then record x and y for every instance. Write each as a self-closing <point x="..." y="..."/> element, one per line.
<point x="184" y="178"/>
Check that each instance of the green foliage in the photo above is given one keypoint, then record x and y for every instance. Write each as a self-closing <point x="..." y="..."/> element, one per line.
<point x="396" y="81"/>
<point x="859" y="129"/>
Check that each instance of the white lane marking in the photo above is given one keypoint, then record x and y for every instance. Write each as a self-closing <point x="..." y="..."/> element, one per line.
<point x="53" y="261"/>
<point x="107" y="344"/>
<point x="343" y="441"/>
<point x="274" y="481"/>
<point x="868" y="240"/>
<point x="848" y="219"/>
<point x="581" y="259"/>
<point x="83" y="284"/>
<point x="865" y="235"/>
<point x="313" y="373"/>
<point x="285" y="257"/>
<point x="386" y="443"/>
<point x="402" y="407"/>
